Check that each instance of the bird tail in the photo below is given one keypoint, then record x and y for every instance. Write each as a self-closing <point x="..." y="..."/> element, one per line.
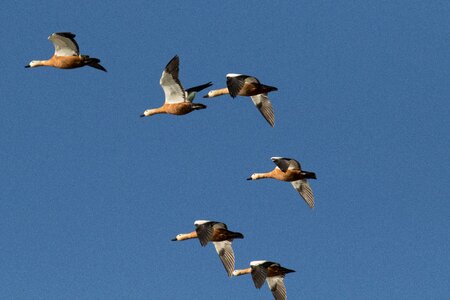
<point x="268" y="88"/>
<point x="198" y="106"/>
<point x="286" y="270"/>
<point x="236" y="235"/>
<point x="310" y="175"/>
<point x="94" y="63"/>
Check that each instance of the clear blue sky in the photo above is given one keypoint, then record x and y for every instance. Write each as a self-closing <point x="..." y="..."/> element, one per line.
<point x="91" y="194"/>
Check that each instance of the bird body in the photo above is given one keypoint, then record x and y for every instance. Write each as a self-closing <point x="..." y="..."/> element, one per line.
<point x="245" y="85"/>
<point x="217" y="233"/>
<point x="289" y="169"/>
<point x="273" y="273"/>
<point x="67" y="54"/>
<point x="177" y="100"/>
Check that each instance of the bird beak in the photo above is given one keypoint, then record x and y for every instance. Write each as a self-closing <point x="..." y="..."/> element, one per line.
<point x="27" y="66"/>
<point x="206" y="96"/>
<point x="142" y="116"/>
<point x="249" y="178"/>
<point x="174" y="240"/>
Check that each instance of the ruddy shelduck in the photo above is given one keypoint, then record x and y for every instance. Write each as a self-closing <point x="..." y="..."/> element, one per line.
<point x="273" y="273"/>
<point x="178" y="101"/>
<point x="289" y="169"/>
<point x="217" y="233"/>
<point x="245" y="85"/>
<point x="67" y="54"/>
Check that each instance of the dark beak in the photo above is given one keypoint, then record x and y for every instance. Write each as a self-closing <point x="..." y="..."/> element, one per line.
<point x="174" y="240"/>
<point x="142" y="116"/>
<point x="206" y="96"/>
<point x="249" y="178"/>
<point x="27" y="66"/>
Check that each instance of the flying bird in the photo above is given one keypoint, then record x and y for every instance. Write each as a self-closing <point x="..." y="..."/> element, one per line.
<point x="67" y="54"/>
<point x="178" y="101"/>
<point x="219" y="235"/>
<point x="273" y="273"/>
<point x="245" y="85"/>
<point x="289" y="169"/>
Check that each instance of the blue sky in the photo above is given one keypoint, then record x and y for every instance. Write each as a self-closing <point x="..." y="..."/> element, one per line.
<point x="92" y="194"/>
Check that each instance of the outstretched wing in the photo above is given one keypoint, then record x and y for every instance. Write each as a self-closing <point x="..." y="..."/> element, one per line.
<point x="226" y="255"/>
<point x="264" y="106"/>
<point x="276" y="285"/>
<point x="259" y="274"/>
<point x="205" y="231"/>
<point x="303" y="188"/>
<point x="235" y="82"/>
<point x="191" y="92"/>
<point x="170" y="83"/>
<point x="65" y="44"/>
<point x="286" y="163"/>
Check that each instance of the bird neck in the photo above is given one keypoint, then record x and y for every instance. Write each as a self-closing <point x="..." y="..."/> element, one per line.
<point x="257" y="176"/>
<point x="219" y="92"/>
<point x="242" y="272"/>
<point x="187" y="236"/>
<point x="154" y="111"/>
<point x="40" y="63"/>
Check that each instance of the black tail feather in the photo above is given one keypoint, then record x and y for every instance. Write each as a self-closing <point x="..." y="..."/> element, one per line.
<point x="197" y="106"/>
<point x="310" y="175"/>
<point x="268" y="88"/>
<point x="95" y="63"/>
<point x="236" y="235"/>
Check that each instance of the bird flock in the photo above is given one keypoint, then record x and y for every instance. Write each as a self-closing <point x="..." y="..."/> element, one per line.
<point x="179" y="101"/>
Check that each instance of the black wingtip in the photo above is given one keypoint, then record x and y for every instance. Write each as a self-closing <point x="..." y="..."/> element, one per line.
<point x="69" y="35"/>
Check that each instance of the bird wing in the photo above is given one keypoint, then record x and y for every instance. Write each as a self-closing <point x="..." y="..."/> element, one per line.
<point x="235" y="82"/>
<point x="259" y="274"/>
<point x="264" y="106"/>
<point x="276" y="285"/>
<point x="192" y="92"/>
<point x="170" y="83"/>
<point x="226" y="255"/>
<point x="303" y="188"/>
<point x="199" y="87"/>
<point x="65" y="44"/>
<point x="285" y="163"/>
<point x="205" y="232"/>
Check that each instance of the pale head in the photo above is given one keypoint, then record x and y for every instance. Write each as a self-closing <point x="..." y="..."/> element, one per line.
<point x="252" y="177"/>
<point x="34" y="63"/>
<point x="147" y="113"/>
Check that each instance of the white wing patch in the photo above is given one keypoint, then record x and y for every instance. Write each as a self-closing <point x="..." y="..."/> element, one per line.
<point x="264" y="106"/>
<point x="303" y="188"/>
<point x="173" y="91"/>
<point x="276" y="285"/>
<point x="226" y="254"/>
<point x="64" y="45"/>
<point x="233" y="75"/>
<point x="200" y="222"/>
